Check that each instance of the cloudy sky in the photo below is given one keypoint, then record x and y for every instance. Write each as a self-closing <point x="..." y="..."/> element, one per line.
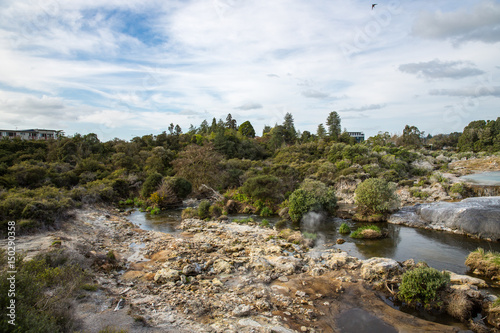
<point x="122" y="68"/>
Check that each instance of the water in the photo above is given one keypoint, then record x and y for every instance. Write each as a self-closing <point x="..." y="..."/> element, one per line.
<point x="484" y="178"/>
<point x="163" y="222"/>
<point x="438" y="249"/>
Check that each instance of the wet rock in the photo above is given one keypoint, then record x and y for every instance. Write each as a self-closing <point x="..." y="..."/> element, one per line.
<point x="338" y="260"/>
<point x="166" y="275"/>
<point x="472" y="216"/>
<point x="464" y="279"/>
<point x="340" y="241"/>
<point x="379" y="268"/>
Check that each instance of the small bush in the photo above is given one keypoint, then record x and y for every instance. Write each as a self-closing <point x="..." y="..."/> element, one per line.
<point x="344" y="229"/>
<point x="421" y="285"/>
<point x="264" y="223"/>
<point x="281" y="224"/>
<point x="367" y="231"/>
<point x="189" y="213"/>
<point x="266" y="212"/>
<point x="215" y="211"/>
<point x="458" y="188"/>
<point x="310" y="235"/>
<point x="204" y="209"/>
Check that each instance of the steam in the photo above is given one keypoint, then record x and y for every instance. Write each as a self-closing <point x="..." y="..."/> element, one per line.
<point x="310" y="223"/>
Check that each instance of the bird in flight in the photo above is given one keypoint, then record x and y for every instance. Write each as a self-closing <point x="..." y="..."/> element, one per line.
<point x="373" y="5"/>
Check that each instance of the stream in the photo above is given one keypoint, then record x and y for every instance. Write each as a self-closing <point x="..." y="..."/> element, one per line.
<point x="441" y="250"/>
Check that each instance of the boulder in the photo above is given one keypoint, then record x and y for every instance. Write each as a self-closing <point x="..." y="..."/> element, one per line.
<point x="379" y="268"/>
<point x="260" y="264"/>
<point x="464" y="279"/>
<point x="221" y="266"/>
<point x="167" y="275"/>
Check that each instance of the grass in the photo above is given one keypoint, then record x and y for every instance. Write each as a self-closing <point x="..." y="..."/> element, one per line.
<point x="310" y="235"/>
<point x="485" y="263"/>
<point x="243" y="221"/>
<point x="344" y="229"/>
<point x="367" y="231"/>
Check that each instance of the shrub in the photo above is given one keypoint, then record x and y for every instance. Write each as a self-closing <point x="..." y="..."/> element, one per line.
<point x="215" y="211"/>
<point x="310" y="235"/>
<point x="263" y="187"/>
<point x="181" y="187"/>
<point x="264" y="223"/>
<point x="375" y="195"/>
<point x="204" y="209"/>
<point x="458" y="188"/>
<point x="189" y="213"/>
<point x="266" y="212"/>
<point x="281" y="224"/>
<point x="35" y="278"/>
<point x="344" y="229"/>
<point x="485" y="263"/>
<point x="314" y="196"/>
<point x="421" y="285"/>
<point x="367" y="231"/>
<point x="151" y="184"/>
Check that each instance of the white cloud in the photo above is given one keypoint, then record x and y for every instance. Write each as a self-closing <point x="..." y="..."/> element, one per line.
<point x="481" y="23"/>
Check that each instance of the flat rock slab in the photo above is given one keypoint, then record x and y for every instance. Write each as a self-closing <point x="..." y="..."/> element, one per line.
<point x="479" y="217"/>
<point x="361" y="321"/>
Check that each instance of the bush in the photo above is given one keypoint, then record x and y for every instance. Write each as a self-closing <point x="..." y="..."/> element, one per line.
<point x="264" y="223"/>
<point x="281" y="224"/>
<point x="35" y="278"/>
<point x="189" y="213"/>
<point x="421" y="285"/>
<point x="458" y="188"/>
<point x="314" y="196"/>
<point x="367" y="231"/>
<point x="204" y="209"/>
<point x="215" y="211"/>
<point x="263" y="187"/>
<point x="344" y="229"/>
<point x="375" y="195"/>
<point x="266" y="212"/>
<point x="151" y="184"/>
<point x="181" y="187"/>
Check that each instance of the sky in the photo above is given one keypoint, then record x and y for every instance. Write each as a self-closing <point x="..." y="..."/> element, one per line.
<point x="126" y="68"/>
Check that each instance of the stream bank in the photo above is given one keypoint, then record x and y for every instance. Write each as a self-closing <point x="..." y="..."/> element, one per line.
<point x="224" y="277"/>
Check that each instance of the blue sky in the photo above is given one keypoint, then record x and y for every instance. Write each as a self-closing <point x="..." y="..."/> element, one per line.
<point x="128" y="68"/>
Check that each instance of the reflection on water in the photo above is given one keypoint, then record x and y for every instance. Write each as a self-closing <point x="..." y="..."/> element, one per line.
<point x="440" y="250"/>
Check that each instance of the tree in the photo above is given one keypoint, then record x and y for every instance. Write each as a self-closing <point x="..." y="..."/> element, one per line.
<point x="246" y="129"/>
<point x="266" y="130"/>
<point x="199" y="165"/>
<point x="375" y="196"/>
<point x="290" y="134"/>
<point x="321" y="132"/>
<point x="333" y="123"/>
<point x="178" y="130"/>
<point x="412" y="137"/>
<point x="230" y="122"/>
<point x="213" y="127"/>
<point x="203" y="127"/>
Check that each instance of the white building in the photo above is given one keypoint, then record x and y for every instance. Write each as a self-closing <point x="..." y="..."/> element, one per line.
<point x="30" y="134"/>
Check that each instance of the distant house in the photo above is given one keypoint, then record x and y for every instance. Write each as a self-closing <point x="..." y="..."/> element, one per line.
<point x="359" y="136"/>
<point x="30" y="134"/>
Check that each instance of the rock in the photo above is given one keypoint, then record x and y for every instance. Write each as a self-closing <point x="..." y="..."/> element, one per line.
<point x="464" y="279"/>
<point x="286" y="265"/>
<point x="221" y="266"/>
<point x="260" y="264"/>
<point x="283" y="279"/>
<point x="248" y="323"/>
<point x="217" y="282"/>
<point x="338" y="260"/>
<point x="242" y="310"/>
<point x="469" y="290"/>
<point x="379" y="268"/>
<point x="340" y="241"/>
<point x="166" y="275"/>
<point x="231" y="206"/>
<point x="190" y="269"/>
<point x="472" y="216"/>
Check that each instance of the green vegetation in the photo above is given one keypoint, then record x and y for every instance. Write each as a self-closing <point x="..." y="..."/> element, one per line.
<point x="40" y="181"/>
<point x="311" y="196"/>
<point x="367" y="231"/>
<point x="375" y="195"/>
<point x="421" y="285"/>
<point x="485" y="263"/>
<point x="51" y="272"/>
<point x="344" y="229"/>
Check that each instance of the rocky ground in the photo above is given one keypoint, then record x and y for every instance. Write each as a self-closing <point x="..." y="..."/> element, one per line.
<point x="225" y="277"/>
